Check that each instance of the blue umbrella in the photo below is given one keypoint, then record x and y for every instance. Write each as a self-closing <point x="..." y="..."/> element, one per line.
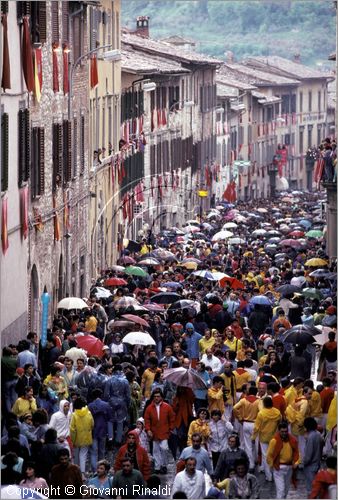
<point x="171" y="284"/>
<point x="205" y="275"/>
<point x="260" y="300"/>
<point x="306" y="223"/>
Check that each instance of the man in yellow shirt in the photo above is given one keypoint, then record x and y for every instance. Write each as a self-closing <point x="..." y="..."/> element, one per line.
<point x="296" y="413"/>
<point x="216" y="395"/>
<point x="294" y="391"/>
<point x="265" y="428"/>
<point x="246" y="411"/>
<point x="315" y="403"/>
<point x="148" y="377"/>
<point x="241" y="377"/>
<point x="25" y="404"/>
<point x="282" y="456"/>
<point x="232" y="342"/>
<point x="206" y="341"/>
<point x="91" y="322"/>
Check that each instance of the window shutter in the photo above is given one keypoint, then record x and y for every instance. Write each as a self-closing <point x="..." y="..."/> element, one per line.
<point x="93" y="20"/>
<point x="65" y="22"/>
<point x="42" y="17"/>
<point x="57" y="155"/>
<point x="74" y="148"/>
<point x="41" y="160"/>
<point x="82" y="152"/>
<point x="4" y="152"/>
<point x="4" y="7"/>
<point x="23" y="9"/>
<point x="67" y="151"/>
<point x="55" y="22"/>
<point x="21" y="147"/>
<point x="34" y="163"/>
<point x="27" y="151"/>
<point x="76" y="37"/>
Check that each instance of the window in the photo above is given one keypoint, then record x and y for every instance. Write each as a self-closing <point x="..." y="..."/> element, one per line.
<point x="4" y="151"/>
<point x="310" y="100"/>
<point x="38" y="162"/>
<point x="301" y="140"/>
<point x="67" y="151"/>
<point x="57" y="155"/>
<point x="38" y="22"/>
<point x="74" y="173"/>
<point x="319" y="101"/>
<point x="309" y="136"/>
<point x="4" y="7"/>
<point x="55" y="22"/>
<point x="103" y="142"/>
<point x="65" y="22"/>
<point x="82" y="144"/>
<point x="285" y="104"/>
<point x="319" y="133"/>
<point x="293" y="103"/>
<point x="301" y="102"/>
<point x="23" y="146"/>
<point x="78" y="34"/>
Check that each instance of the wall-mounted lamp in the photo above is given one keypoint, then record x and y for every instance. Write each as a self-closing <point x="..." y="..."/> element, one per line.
<point x="149" y="86"/>
<point x="111" y="55"/>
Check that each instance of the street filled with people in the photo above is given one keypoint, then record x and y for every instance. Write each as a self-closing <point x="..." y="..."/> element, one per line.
<point x="202" y="365"/>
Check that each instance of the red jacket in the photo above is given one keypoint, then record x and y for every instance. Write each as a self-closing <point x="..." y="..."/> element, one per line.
<point x="279" y="402"/>
<point x="142" y="458"/>
<point x="160" y="427"/>
<point x="320" y="485"/>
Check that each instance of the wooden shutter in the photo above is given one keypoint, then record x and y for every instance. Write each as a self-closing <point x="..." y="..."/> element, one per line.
<point x="67" y="151"/>
<point x="74" y="148"/>
<point x="55" y="22"/>
<point x="76" y="37"/>
<point x="42" y="17"/>
<point x="23" y="146"/>
<point x="82" y="145"/>
<point x="4" y="7"/>
<point x="57" y="155"/>
<point x="93" y="22"/>
<point x="34" y="163"/>
<point x="4" y="152"/>
<point x="41" y="161"/>
<point x="65" y="22"/>
<point x="22" y="9"/>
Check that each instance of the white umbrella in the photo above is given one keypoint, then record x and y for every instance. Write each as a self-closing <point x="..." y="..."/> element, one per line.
<point x="101" y="293"/>
<point x="138" y="338"/>
<point x="218" y="276"/>
<point x="262" y="210"/>
<point x="205" y="274"/>
<point x="259" y="232"/>
<point x="72" y="303"/>
<point x="191" y="229"/>
<point x="213" y="214"/>
<point x="236" y="241"/>
<point x="240" y="218"/>
<point x="230" y="225"/>
<point x="222" y="235"/>
<point x="118" y="269"/>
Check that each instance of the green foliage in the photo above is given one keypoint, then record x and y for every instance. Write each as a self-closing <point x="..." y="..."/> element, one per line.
<point x="250" y="27"/>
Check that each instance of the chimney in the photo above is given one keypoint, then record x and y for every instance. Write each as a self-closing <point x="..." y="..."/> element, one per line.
<point x="229" y="57"/>
<point x="142" y="26"/>
<point x="296" y="58"/>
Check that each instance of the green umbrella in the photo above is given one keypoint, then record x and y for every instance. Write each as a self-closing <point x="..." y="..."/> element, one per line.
<point x="312" y="293"/>
<point x="314" y="233"/>
<point x="136" y="271"/>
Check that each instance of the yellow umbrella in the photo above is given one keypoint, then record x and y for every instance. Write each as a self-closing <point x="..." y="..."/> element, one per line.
<point x="248" y="254"/>
<point x="316" y="262"/>
<point x="190" y="265"/>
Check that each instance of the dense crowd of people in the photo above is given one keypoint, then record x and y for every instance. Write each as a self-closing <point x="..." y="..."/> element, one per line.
<point x="209" y="349"/>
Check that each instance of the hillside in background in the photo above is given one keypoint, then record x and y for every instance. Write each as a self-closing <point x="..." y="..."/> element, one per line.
<point x="264" y="27"/>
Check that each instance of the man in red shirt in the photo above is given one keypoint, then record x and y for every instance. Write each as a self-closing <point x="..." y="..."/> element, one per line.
<point x="326" y="396"/>
<point x="159" y="419"/>
<point x="278" y="401"/>
<point x="325" y="480"/>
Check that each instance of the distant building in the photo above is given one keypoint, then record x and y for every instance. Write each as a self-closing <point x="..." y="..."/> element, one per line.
<point x="179" y="41"/>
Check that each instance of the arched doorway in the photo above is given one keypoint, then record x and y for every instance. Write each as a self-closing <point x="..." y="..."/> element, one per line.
<point x="61" y="293"/>
<point x="33" y="305"/>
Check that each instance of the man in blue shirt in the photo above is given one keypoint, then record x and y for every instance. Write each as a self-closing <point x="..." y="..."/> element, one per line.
<point x="192" y="338"/>
<point x="203" y="462"/>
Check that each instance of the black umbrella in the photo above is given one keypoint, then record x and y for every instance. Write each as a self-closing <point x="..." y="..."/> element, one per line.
<point x="301" y="334"/>
<point x="134" y="246"/>
<point x="182" y="304"/>
<point x="288" y="289"/>
<point x="165" y="298"/>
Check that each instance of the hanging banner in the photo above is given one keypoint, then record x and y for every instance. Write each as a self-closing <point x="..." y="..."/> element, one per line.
<point x="65" y="70"/>
<point x="55" y="70"/>
<point x="4" y="228"/>
<point x="45" y="299"/>
<point x="24" y="211"/>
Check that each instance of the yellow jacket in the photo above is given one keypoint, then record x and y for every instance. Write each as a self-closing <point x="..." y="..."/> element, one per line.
<point x="22" y="406"/>
<point x="315" y="405"/>
<point x="296" y="414"/>
<point x="81" y="426"/>
<point x="332" y="414"/>
<point x="246" y="410"/>
<point x="291" y="394"/>
<point x="285" y="456"/>
<point x="266" y="424"/>
<point x="215" y="399"/>
<point x="200" y="426"/>
<point x="205" y="344"/>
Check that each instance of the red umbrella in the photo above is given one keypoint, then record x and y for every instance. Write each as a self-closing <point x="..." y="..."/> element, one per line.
<point x="233" y="282"/>
<point x="90" y="344"/>
<point x="296" y="234"/>
<point x="115" y="282"/>
<point x="136" y="319"/>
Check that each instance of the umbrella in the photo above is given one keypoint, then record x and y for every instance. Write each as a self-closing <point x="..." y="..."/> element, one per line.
<point x="236" y="241"/>
<point x="118" y="269"/>
<point x="149" y="262"/>
<point x="274" y="240"/>
<point x="296" y="234"/>
<point x="191" y="229"/>
<point x="115" y="282"/>
<point x="133" y="246"/>
<point x="171" y="284"/>
<point x="184" y="304"/>
<point x="14" y="491"/>
<point x="222" y="235"/>
<point x="101" y="292"/>
<point x="183" y="377"/>
<point x="319" y="273"/>
<point x="316" y="262"/>
<point x="207" y="226"/>
<point x="205" y="275"/>
<point x="138" y="338"/>
<point x="92" y="345"/>
<point x="190" y="265"/>
<point x="75" y="353"/>
<point x="262" y="210"/>
<point x="310" y="330"/>
<point x="218" y="275"/>
<point x="191" y="259"/>
<point x="288" y="289"/>
<point x="165" y="298"/>
<point x="273" y="232"/>
<point x="127" y="260"/>
<point x="72" y="303"/>
<point x="136" y="271"/>
<point x="154" y="307"/>
<point x="230" y="225"/>
<point x="306" y="223"/>
<point x="298" y="336"/>
<point x="312" y="293"/>
<point x="234" y="283"/>
<point x="260" y="300"/>
<point x="162" y="254"/>
<point x="314" y="233"/>
<point x="136" y="319"/>
<point x="259" y="232"/>
<point x="290" y="243"/>
<point x="112" y="325"/>
<point x="125" y="302"/>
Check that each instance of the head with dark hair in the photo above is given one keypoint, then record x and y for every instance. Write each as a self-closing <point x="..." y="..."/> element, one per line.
<point x="97" y="393"/>
<point x="179" y="494"/>
<point x="40" y="417"/>
<point x="331" y="462"/>
<point x="273" y="387"/>
<point x="267" y="402"/>
<point x="241" y="467"/>
<point x="204" y="412"/>
<point x="310" y="424"/>
<point x="79" y="403"/>
<point x="252" y="391"/>
<point x="50" y="436"/>
<point x="309" y="383"/>
<point x="10" y="459"/>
